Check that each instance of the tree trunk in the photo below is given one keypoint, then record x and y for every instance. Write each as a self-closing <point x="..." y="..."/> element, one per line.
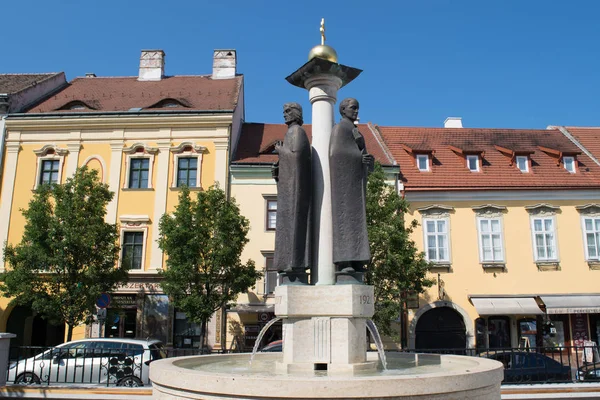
<point x="203" y="341"/>
<point x="69" y="333"/>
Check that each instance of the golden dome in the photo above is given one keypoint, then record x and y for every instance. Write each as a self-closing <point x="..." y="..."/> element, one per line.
<point x="323" y="51"/>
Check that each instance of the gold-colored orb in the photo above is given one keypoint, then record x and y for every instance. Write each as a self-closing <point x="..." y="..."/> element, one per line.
<point x="323" y="51"/>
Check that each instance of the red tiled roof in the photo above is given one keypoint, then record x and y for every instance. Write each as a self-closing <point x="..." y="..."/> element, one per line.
<point x="14" y="83"/>
<point x="256" y="143"/>
<point x="449" y="171"/>
<point x="589" y="137"/>
<point x="194" y="93"/>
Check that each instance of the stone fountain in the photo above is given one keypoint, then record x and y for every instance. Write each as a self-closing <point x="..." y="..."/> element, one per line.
<point x="325" y="322"/>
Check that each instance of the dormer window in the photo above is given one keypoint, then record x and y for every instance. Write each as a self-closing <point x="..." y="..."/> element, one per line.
<point x="569" y="164"/>
<point x="473" y="163"/>
<point x="522" y="163"/>
<point x="423" y="162"/>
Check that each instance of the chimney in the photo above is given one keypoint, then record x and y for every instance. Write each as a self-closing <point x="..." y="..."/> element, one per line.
<point x="152" y="65"/>
<point x="453" y="122"/>
<point x="224" y="64"/>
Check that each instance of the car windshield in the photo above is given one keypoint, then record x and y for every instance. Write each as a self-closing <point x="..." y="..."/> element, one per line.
<point x="157" y="351"/>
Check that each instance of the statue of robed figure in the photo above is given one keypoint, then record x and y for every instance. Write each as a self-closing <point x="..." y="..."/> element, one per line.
<point x="293" y="175"/>
<point x="349" y="164"/>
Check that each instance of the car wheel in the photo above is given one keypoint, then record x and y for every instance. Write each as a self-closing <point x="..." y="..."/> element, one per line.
<point x="27" y="378"/>
<point x="130" y="381"/>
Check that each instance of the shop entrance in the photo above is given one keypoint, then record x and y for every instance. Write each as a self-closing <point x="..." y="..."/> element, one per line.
<point x="440" y="328"/>
<point x="121" y="317"/>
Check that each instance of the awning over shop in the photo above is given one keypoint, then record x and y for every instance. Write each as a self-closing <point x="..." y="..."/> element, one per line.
<point x="572" y="304"/>
<point x="253" y="308"/>
<point x="506" y="305"/>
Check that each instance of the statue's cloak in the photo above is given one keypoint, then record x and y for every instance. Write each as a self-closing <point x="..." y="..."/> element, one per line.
<point x="348" y="193"/>
<point x="293" y="201"/>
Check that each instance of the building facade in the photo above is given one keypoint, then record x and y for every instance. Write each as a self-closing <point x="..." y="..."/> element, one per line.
<point x="146" y="135"/>
<point x="508" y="219"/>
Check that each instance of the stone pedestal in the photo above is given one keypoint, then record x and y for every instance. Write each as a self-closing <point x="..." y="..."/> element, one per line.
<point x="324" y="328"/>
<point x="4" y="350"/>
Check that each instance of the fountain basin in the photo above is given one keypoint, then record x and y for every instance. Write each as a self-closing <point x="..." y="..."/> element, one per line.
<point x="409" y="376"/>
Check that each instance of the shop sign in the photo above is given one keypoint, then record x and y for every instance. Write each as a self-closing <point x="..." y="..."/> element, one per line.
<point x="579" y="327"/>
<point x="149" y="286"/>
<point x="124" y="301"/>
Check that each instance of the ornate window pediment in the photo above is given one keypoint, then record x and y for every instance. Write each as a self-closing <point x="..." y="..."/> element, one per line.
<point x="436" y="211"/>
<point x="543" y="209"/>
<point x="489" y="210"/>
<point x="591" y="210"/>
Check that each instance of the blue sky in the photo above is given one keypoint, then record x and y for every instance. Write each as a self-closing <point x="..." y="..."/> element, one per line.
<point x="504" y="64"/>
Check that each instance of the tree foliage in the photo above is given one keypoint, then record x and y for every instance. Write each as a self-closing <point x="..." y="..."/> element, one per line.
<point x="397" y="267"/>
<point x="67" y="255"/>
<point x="203" y="240"/>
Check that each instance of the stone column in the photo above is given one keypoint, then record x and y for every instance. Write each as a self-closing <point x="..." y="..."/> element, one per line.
<point x="114" y="179"/>
<point x="221" y="164"/>
<point x="73" y="158"/>
<point x="160" y="201"/>
<point x="322" y="89"/>
<point x="8" y="187"/>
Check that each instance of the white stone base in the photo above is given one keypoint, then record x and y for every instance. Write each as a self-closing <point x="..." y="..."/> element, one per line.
<point x="324" y="327"/>
<point x="198" y="377"/>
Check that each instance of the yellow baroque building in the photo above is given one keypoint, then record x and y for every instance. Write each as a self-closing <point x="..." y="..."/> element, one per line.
<point x="146" y="135"/>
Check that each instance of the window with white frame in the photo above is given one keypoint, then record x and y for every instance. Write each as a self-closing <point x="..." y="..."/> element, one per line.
<point x="436" y="240"/>
<point x="271" y="214"/>
<point x="591" y="227"/>
<point x="423" y="162"/>
<point x="522" y="163"/>
<point x="271" y="274"/>
<point x="544" y="238"/>
<point x="569" y="164"/>
<point x="132" y="249"/>
<point x="134" y="232"/>
<point x="187" y="168"/>
<point x="490" y="239"/>
<point x="140" y="160"/>
<point x="50" y="160"/>
<point x="473" y="163"/>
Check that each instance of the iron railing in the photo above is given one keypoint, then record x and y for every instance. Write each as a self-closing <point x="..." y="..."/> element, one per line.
<point x="130" y="367"/>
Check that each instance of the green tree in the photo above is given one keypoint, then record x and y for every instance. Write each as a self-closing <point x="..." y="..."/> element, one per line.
<point x="203" y="241"/>
<point x="397" y="267"/>
<point x="67" y="255"/>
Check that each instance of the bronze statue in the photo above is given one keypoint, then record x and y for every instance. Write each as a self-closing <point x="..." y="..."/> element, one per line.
<point x="293" y="175"/>
<point x="349" y="165"/>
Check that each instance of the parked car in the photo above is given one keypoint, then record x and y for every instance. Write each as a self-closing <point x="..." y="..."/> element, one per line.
<point x="124" y="362"/>
<point x="530" y="367"/>
<point x="275" y="346"/>
<point x="589" y="373"/>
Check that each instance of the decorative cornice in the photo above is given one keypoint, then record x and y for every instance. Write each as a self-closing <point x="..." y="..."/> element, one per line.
<point x="542" y="209"/>
<point x="489" y="210"/>
<point x="503" y="195"/>
<point x="134" y="218"/>
<point x="134" y="147"/>
<point x="590" y="208"/>
<point x="436" y="211"/>
<point x="433" y="207"/>
<point x="183" y="145"/>
<point x="57" y="150"/>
